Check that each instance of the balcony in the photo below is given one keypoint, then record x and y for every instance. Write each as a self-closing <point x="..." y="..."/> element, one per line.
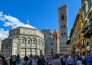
<point x="88" y="31"/>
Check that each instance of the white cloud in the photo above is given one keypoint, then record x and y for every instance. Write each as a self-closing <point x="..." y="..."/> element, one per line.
<point x="8" y="21"/>
<point x="3" y="34"/>
<point x="12" y="21"/>
<point x="1" y="13"/>
<point x="1" y="16"/>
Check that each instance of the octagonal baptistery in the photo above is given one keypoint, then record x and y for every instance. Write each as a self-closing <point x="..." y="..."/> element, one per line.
<point x="23" y="40"/>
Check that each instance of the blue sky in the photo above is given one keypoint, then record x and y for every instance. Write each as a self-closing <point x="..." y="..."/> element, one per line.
<point x="42" y="14"/>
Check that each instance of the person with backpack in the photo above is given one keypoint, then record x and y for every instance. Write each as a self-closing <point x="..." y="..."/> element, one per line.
<point x="18" y="59"/>
<point x="83" y="59"/>
<point x="49" y="63"/>
<point x="26" y="62"/>
<point x="14" y="59"/>
<point x="38" y="60"/>
<point x="30" y="59"/>
<point x="79" y="62"/>
<point x="61" y="60"/>
<point x="47" y="60"/>
<point x="42" y="60"/>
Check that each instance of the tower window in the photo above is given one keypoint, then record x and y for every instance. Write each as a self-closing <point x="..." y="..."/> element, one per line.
<point x="64" y="26"/>
<point x="51" y="43"/>
<point x="62" y="33"/>
<point x="62" y="17"/>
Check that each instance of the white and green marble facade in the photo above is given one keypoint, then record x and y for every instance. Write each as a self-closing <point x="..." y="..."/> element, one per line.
<point x="23" y="41"/>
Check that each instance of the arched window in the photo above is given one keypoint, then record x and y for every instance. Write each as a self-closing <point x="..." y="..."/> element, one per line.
<point x="23" y="42"/>
<point x="34" y="42"/>
<point x="28" y="41"/>
<point x="62" y="17"/>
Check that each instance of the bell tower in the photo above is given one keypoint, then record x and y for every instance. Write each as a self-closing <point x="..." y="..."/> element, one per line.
<point x="63" y="28"/>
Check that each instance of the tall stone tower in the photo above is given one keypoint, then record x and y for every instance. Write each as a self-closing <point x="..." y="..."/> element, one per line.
<point x="63" y="28"/>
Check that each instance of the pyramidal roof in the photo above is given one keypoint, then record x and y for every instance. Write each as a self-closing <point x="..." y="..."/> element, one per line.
<point x="27" y="25"/>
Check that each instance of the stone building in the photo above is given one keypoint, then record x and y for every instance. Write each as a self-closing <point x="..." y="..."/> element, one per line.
<point x="76" y="45"/>
<point x="87" y="24"/>
<point x="83" y="28"/>
<point x="23" y="40"/>
<point x="52" y="45"/>
<point x="63" y="29"/>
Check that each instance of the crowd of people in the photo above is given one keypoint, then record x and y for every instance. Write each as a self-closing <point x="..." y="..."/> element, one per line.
<point x="49" y="60"/>
<point x="12" y="60"/>
<point x="71" y="59"/>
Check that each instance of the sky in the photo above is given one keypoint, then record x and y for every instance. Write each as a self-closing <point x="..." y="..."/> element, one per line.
<point x="42" y="14"/>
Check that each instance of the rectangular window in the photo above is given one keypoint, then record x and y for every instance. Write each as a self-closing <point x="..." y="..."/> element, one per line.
<point x="22" y="44"/>
<point x="33" y="53"/>
<point x="62" y="17"/>
<point x="22" y="49"/>
<point x="22" y="53"/>
<point x="28" y="49"/>
<point x="28" y="53"/>
<point x="33" y="45"/>
<point x="33" y="50"/>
